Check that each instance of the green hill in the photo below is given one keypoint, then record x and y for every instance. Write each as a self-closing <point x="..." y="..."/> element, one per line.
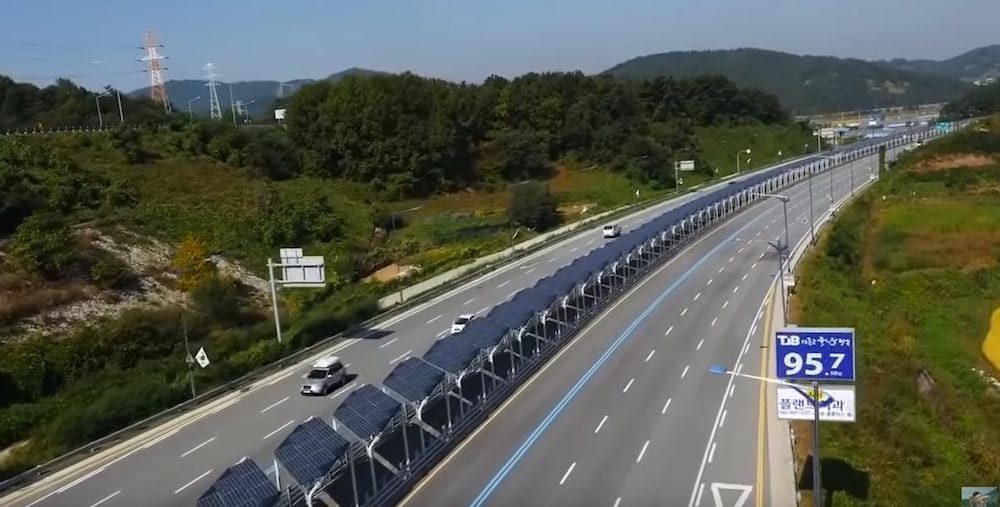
<point x="979" y="63"/>
<point x="805" y="84"/>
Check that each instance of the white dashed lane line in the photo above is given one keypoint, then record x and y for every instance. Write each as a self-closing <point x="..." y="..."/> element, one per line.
<point x="600" y="424"/>
<point x="566" y="475"/>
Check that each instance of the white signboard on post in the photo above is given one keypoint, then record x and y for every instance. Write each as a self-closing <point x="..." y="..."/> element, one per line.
<point x="299" y="270"/>
<point x="837" y="403"/>
<point x="685" y="165"/>
<point x="279" y="114"/>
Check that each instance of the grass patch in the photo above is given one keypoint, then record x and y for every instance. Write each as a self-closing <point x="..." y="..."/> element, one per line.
<point x="720" y="145"/>
<point x="916" y="274"/>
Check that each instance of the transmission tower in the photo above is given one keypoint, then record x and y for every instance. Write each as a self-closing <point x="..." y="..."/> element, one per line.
<point x="213" y="95"/>
<point x="157" y="86"/>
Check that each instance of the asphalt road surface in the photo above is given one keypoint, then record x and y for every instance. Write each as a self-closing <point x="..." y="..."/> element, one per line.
<point x="174" y="464"/>
<point x="627" y="413"/>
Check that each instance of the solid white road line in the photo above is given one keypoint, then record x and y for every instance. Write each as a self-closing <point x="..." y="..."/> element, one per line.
<point x="723" y="420"/>
<point x="566" y="475"/>
<point x="199" y="446"/>
<point x="702" y="342"/>
<point x="442" y="333"/>
<point x="401" y="357"/>
<point x="512" y="294"/>
<point x="105" y="499"/>
<point x="600" y="424"/>
<point x="650" y="356"/>
<point x="628" y="385"/>
<point x="732" y="389"/>
<point x="711" y="455"/>
<point x="342" y="390"/>
<point x="390" y="342"/>
<point x="642" y="452"/>
<point x="701" y="489"/>
<point x="666" y="406"/>
<point x="685" y="372"/>
<point x="196" y="479"/>
<point x="279" y="428"/>
<point x="671" y="328"/>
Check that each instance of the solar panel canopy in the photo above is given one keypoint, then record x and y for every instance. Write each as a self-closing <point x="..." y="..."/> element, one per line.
<point x="311" y="451"/>
<point x="414" y="379"/>
<point x="367" y="411"/>
<point x="241" y="485"/>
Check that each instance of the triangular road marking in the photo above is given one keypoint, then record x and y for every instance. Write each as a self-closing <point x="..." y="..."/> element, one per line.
<point x="717" y="493"/>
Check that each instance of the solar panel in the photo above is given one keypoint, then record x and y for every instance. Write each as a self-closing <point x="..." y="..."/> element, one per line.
<point x="451" y="354"/>
<point x="311" y="451"/>
<point x="241" y="485"/>
<point x="367" y="411"/>
<point x="414" y="379"/>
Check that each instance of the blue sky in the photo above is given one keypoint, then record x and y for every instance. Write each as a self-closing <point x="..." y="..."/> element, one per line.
<point x="96" y="41"/>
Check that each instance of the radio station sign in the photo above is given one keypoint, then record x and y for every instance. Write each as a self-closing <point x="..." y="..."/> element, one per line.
<point x="836" y="403"/>
<point x="815" y="354"/>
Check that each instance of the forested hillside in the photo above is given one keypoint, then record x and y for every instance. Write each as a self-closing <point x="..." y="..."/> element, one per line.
<point x="170" y="217"/>
<point x="805" y="84"/>
<point x="64" y="104"/>
<point x="980" y="101"/>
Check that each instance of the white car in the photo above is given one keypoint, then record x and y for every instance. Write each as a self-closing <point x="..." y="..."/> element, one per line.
<point x="463" y="320"/>
<point x="612" y="231"/>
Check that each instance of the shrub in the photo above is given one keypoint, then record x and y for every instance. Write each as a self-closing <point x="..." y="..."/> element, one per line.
<point x="532" y="206"/>
<point x="42" y="244"/>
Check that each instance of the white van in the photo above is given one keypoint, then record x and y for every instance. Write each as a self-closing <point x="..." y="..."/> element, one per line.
<point x="326" y="374"/>
<point x="612" y="231"/>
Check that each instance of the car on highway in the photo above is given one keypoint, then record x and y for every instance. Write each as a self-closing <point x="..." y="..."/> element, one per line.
<point x="611" y="231"/>
<point x="463" y="320"/>
<point x="326" y="374"/>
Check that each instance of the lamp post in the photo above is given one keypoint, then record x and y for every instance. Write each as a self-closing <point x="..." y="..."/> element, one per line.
<point x="738" y="155"/>
<point x="814" y="398"/>
<point x="784" y="205"/>
<point x="191" y="113"/>
<point x="97" y="100"/>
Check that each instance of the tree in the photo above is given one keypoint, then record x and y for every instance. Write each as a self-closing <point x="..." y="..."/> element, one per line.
<point x="532" y="205"/>
<point x="191" y="263"/>
<point x="42" y="244"/>
<point x="520" y="155"/>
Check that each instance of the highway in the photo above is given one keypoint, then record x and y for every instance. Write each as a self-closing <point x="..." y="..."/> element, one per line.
<point x="627" y="413"/>
<point x="174" y="463"/>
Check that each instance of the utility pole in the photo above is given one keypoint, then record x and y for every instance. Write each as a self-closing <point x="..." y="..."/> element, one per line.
<point x="232" y="104"/>
<point x="189" y="359"/>
<point x="157" y="85"/>
<point x="213" y="94"/>
<point x="121" y="112"/>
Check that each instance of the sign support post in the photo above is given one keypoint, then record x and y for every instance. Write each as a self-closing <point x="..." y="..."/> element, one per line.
<point x="817" y="479"/>
<point x="297" y="271"/>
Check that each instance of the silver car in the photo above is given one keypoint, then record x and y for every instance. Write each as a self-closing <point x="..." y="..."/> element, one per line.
<point x="326" y="375"/>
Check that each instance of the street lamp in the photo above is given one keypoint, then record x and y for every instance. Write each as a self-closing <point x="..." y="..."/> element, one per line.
<point x="190" y="113"/>
<point x="784" y="205"/>
<point x="814" y="398"/>
<point x="738" y="155"/>
<point x="97" y="100"/>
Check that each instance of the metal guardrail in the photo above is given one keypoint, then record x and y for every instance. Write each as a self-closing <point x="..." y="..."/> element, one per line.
<point x="132" y="430"/>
